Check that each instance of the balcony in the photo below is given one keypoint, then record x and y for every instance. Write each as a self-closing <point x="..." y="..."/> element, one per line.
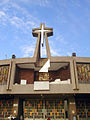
<point x="58" y="76"/>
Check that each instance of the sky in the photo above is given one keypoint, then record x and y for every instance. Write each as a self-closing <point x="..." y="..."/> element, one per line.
<point x="70" y="20"/>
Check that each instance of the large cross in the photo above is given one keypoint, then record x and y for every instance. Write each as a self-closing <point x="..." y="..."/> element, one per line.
<point x="42" y="30"/>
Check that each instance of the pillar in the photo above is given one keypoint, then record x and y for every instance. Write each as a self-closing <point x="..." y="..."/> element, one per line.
<point x="72" y="108"/>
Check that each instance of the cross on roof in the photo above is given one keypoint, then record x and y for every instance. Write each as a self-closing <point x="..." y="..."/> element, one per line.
<point x="42" y="30"/>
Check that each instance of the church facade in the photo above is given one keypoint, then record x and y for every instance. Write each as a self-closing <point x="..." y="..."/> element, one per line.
<point x="51" y="88"/>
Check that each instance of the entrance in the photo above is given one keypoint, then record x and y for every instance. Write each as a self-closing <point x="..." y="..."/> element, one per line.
<point x="83" y="109"/>
<point x="44" y="109"/>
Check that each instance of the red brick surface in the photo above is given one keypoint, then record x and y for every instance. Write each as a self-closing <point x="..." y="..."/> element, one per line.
<point x="62" y="73"/>
<point x="28" y="75"/>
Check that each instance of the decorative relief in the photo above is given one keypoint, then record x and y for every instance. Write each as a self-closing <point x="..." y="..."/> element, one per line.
<point x="6" y="108"/>
<point x="83" y="109"/>
<point x="83" y="73"/>
<point x="4" y="74"/>
<point x="43" y="76"/>
<point x="54" y="109"/>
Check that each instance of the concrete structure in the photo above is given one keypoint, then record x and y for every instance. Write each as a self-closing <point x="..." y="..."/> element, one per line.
<point x="60" y="92"/>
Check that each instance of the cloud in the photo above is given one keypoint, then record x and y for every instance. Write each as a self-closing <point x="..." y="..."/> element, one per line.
<point x="19" y="17"/>
<point x="26" y="15"/>
<point x="18" y="22"/>
<point x="60" y="38"/>
<point x="3" y="18"/>
<point x="2" y="2"/>
<point x="28" y="51"/>
<point x="54" y="52"/>
<point x="43" y="3"/>
<point x="76" y="3"/>
<point x="69" y="53"/>
<point x="2" y="13"/>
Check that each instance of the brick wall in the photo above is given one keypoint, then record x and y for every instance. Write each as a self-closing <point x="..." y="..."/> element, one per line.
<point x="62" y="73"/>
<point x="52" y="75"/>
<point x="27" y="74"/>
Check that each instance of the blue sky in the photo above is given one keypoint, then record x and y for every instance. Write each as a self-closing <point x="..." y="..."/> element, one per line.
<point x="70" y="20"/>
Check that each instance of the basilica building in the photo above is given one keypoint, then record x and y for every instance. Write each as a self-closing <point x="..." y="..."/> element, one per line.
<point x="45" y="88"/>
